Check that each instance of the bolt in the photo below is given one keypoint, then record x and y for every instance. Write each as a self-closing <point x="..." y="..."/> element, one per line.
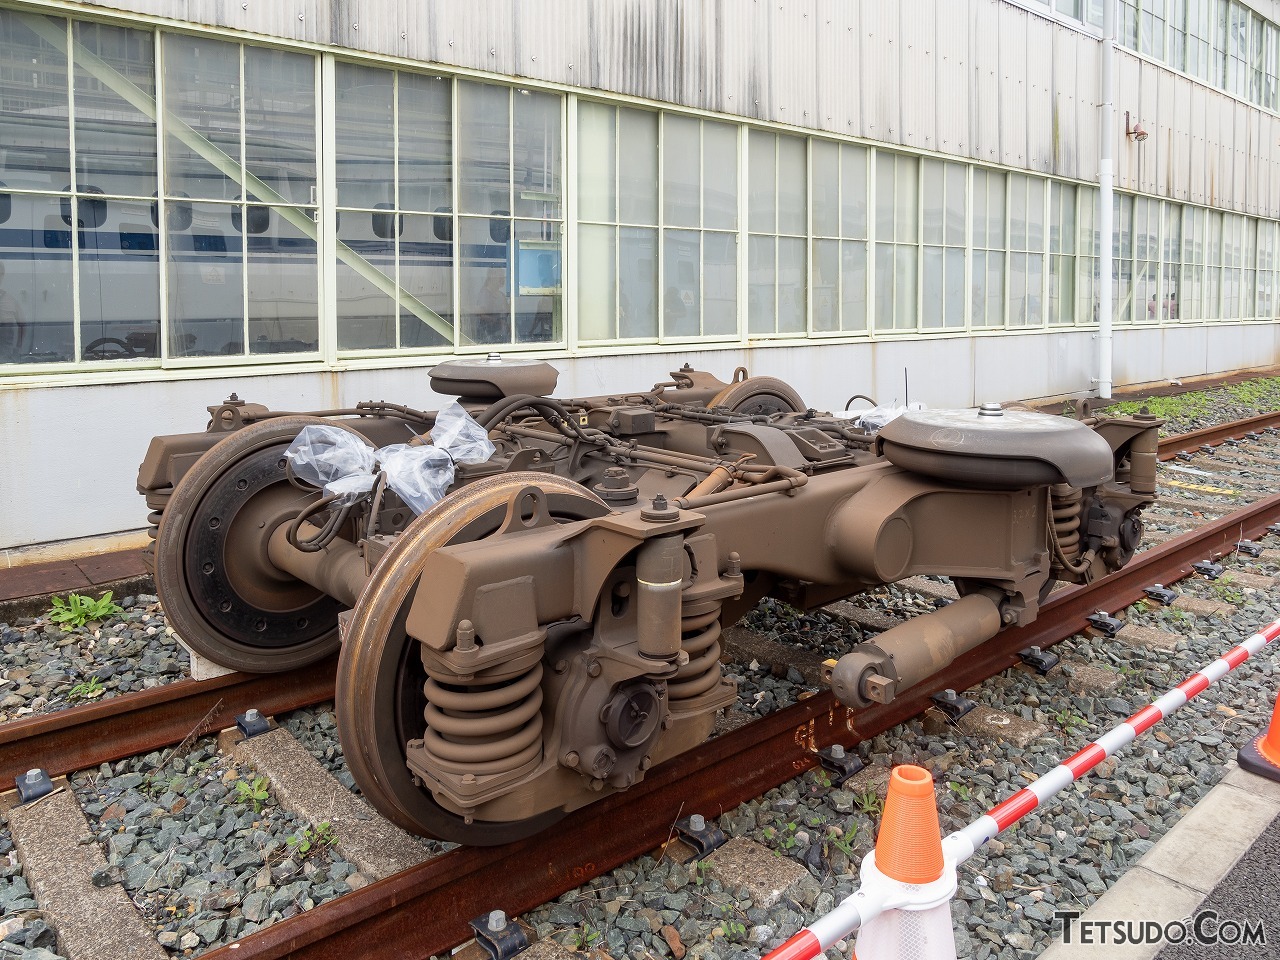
<point x="615" y="478"/>
<point x="493" y="358"/>
<point x="697" y="823"/>
<point x="33" y="776"/>
<point x="990" y="410"/>
<point x="252" y="715"/>
<point x="1009" y="616"/>
<point x="947" y="694"/>
<point x="561" y="666"/>
<point x="735" y="564"/>
<point x="468" y="778"/>
<point x="497" y="921"/>
<point x="660" y="502"/>
<point x="465" y="636"/>
<point x="570" y="759"/>
<point x="646" y="763"/>
<point x="593" y="668"/>
<point x="837" y="751"/>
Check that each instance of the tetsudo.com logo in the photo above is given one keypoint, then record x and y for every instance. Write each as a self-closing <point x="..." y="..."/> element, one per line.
<point x="1207" y="927"/>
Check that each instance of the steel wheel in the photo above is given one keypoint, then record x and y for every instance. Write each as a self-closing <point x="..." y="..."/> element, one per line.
<point x="759" y="396"/>
<point x="219" y="589"/>
<point x="380" y="699"/>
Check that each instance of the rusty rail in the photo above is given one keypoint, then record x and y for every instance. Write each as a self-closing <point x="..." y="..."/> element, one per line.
<point x="1170" y="447"/>
<point x="424" y="911"/>
<point x="160" y="717"/>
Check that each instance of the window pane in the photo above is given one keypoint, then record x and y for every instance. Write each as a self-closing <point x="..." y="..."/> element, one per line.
<point x="366" y="275"/>
<point x="365" y="136"/>
<point x="206" y="284"/>
<point x="681" y="171"/>
<point x="720" y="269"/>
<point x="115" y="141"/>
<point x="637" y="166"/>
<point x="955" y="287"/>
<point x="932" y="307"/>
<point x="1035" y="214"/>
<point x="884" y="286"/>
<point x="280" y="124"/>
<point x="283" y="317"/>
<point x="426" y="144"/>
<point x="825" y="188"/>
<point x="853" y="286"/>
<point x="537" y="154"/>
<point x="995" y="290"/>
<point x="682" y="289"/>
<point x="596" y="195"/>
<point x="826" y="284"/>
<point x="762" y="196"/>
<point x="597" y="278"/>
<point x="933" y="201"/>
<point x="884" y="201"/>
<point x="537" y="274"/>
<point x="720" y="176"/>
<point x="33" y="103"/>
<point x="202" y="97"/>
<point x="956" y="176"/>
<point x="907" y="201"/>
<point x="792" y="281"/>
<point x="426" y="281"/>
<point x="120" y="286"/>
<point x="853" y="191"/>
<point x="1017" y="212"/>
<point x="484" y="286"/>
<point x="484" y="149"/>
<point x="995" y="210"/>
<point x="35" y="283"/>
<point x="904" y="314"/>
<point x="792" y="216"/>
<point x="760" y="284"/>
<point x="638" y="282"/>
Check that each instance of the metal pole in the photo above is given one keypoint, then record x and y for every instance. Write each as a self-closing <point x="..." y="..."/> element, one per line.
<point x="1106" y="191"/>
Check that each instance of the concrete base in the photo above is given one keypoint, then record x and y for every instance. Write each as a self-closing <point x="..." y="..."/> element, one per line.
<point x="1176" y="875"/>
<point x="201" y="668"/>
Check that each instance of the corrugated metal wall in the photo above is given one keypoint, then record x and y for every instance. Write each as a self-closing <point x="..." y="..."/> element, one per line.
<point x="982" y="79"/>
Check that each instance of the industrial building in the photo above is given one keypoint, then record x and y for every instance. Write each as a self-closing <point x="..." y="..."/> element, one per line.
<point x="310" y="202"/>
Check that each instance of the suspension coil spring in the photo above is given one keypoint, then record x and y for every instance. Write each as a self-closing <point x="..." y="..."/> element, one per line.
<point x="1066" y="503"/>
<point x="486" y="727"/>
<point x="700" y="639"/>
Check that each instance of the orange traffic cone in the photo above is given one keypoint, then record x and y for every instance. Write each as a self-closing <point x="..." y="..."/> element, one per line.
<point x="909" y="851"/>
<point x="1261" y="755"/>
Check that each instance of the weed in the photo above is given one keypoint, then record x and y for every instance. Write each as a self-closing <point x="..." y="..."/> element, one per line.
<point x="76" y="610"/>
<point x="869" y="803"/>
<point x="961" y="790"/>
<point x="582" y="938"/>
<point x="1224" y="589"/>
<point x="86" y="689"/>
<point x="308" y="838"/>
<point x="845" y="843"/>
<point x="1071" y="723"/>
<point x="254" y="792"/>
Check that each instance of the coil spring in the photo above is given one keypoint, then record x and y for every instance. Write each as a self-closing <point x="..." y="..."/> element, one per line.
<point x="497" y="727"/>
<point x="153" y="532"/>
<point x="1066" y="503"/>
<point x="700" y="639"/>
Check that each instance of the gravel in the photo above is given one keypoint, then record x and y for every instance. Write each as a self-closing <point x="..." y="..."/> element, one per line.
<point x="46" y="668"/>
<point x="203" y="849"/>
<point x="1196" y="410"/>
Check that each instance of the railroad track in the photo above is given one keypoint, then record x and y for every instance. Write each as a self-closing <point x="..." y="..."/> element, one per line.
<point x="455" y="887"/>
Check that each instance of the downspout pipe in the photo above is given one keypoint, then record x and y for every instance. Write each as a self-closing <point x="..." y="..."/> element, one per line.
<point x="1106" y="192"/>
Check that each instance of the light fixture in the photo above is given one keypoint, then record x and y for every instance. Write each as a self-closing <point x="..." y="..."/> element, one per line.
<point x="1134" y="132"/>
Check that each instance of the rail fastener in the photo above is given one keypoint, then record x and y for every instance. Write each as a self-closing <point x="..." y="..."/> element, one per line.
<point x="252" y="723"/>
<point x="1103" y="622"/>
<point x="33" y="785"/>
<point x="1159" y="592"/>
<point x="1208" y="569"/>
<point x="839" y="761"/>
<point x="501" y="938"/>
<point x="1041" y="661"/>
<point x="952" y="704"/>
<point x="1249" y="548"/>
<point x="701" y="836"/>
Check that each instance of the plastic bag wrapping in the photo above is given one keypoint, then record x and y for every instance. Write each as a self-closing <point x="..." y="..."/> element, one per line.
<point x="419" y="475"/>
<point x="464" y="439"/>
<point x="875" y="418"/>
<point x="322" y="456"/>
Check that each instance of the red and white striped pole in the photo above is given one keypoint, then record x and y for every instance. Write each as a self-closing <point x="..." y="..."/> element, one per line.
<point x="865" y="904"/>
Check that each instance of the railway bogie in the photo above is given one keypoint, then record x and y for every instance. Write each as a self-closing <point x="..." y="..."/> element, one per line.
<point x="550" y="628"/>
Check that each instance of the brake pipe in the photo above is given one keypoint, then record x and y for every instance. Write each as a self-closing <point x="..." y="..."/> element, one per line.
<point x="865" y="904"/>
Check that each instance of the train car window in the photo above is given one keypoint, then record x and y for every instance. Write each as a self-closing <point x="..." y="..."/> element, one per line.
<point x="256" y="219"/>
<point x="384" y="224"/>
<point x="499" y="227"/>
<point x="137" y="236"/>
<point x="442" y="224"/>
<point x="177" y="213"/>
<point x="6" y="204"/>
<point x="56" y="236"/>
<point x="91" y="211"/>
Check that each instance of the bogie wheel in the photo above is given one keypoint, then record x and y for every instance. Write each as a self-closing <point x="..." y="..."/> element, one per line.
<point x="759" y="396"/>
<point x="219" y="589"/>
<point x="380" y="698"/>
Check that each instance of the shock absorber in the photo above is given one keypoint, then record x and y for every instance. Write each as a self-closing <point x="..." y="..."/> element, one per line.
<point x="700" y="640"/>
